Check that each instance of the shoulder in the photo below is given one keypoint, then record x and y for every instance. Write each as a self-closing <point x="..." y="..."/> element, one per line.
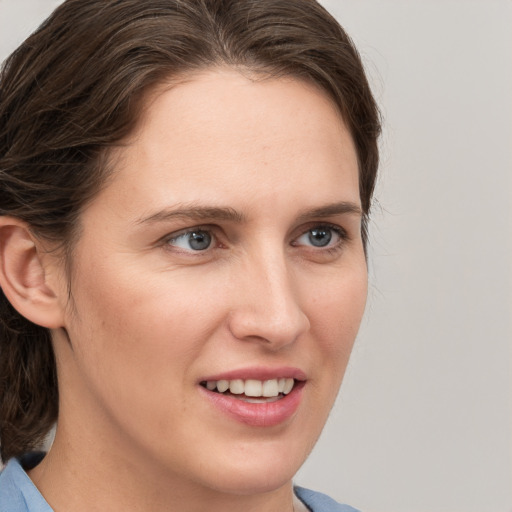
<point x="318" y="502"/>
<point x="11" y="497"/>
<point x="17" y="492"/>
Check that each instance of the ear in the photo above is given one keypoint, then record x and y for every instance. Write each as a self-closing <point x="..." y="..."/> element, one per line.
<point x="24" y="278"/>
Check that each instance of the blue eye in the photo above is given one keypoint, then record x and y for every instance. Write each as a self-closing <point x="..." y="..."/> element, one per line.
<point x="196" y="240"/>
<point x="320" y="236"/>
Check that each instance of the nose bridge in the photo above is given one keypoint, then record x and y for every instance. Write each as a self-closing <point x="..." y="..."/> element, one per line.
<point x="270" y="308"/>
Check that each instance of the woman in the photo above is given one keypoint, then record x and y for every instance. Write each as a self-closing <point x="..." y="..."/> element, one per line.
<point x="185" y="186"/>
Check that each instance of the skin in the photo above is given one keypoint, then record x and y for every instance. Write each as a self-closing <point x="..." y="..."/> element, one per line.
<point x="149" y="317"/>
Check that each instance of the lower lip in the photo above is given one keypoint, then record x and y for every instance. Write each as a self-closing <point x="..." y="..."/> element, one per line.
<point x="265" y="414"/>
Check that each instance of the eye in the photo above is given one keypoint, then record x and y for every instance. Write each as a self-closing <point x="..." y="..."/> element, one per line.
<point x="193" y="240"/>
<point x="321" y="236"/>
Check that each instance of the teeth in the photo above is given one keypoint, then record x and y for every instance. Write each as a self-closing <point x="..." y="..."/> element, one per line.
<point x="252" y="388"/>
<point x="288" y="386"/>
<point x="222" y="385"/>
<point x="236" y="386"/>
<point x="260" y="400"/>
<point x="271" y="388"/>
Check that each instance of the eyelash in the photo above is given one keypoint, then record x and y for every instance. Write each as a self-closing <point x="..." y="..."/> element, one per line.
<point x="340" y="233"/>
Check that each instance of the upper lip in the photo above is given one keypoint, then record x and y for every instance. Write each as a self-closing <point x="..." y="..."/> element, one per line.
<point x="258" y="373"/>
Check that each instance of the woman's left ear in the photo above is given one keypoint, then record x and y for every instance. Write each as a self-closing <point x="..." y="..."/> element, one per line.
<point x="28" y="275"/>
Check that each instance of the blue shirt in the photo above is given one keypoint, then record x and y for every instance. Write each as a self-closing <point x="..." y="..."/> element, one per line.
<point x="19" y="494"/>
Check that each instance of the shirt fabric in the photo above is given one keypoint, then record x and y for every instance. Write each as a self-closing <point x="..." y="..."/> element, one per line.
<point x="19" y="494"/>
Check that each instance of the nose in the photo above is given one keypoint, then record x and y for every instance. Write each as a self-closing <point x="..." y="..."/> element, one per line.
<point x="266" y="306"/>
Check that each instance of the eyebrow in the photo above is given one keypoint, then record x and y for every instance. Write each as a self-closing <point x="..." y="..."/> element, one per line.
<point x="195" y="213"/>
<point x="212" y="213"/>
<point x="342" y="208"/>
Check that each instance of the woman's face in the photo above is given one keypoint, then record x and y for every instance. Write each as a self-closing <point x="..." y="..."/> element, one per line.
<point x="226" y="247"/>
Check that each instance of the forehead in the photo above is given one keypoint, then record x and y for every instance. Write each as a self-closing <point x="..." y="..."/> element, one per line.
<point x="219" y="132"/>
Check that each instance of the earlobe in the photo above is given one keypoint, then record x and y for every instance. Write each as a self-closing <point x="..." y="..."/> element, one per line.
<point x="23" y="277"/>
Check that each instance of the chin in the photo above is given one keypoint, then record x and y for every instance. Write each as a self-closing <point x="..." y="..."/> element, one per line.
<point x="260" y="469"/>
<point x="254" y="480"/>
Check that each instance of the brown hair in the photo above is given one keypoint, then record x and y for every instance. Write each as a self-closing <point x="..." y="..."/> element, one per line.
<point x="74" y="88"/>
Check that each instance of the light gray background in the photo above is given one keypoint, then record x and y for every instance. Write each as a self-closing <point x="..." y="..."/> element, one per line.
<point x="424" y="419"/>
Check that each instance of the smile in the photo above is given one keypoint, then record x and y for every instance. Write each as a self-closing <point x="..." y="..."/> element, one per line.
<point x="260" y="401"/>
<point x="252" y="390"/>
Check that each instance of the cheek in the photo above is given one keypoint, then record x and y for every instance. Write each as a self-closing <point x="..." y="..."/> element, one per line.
<point x="335" y="313"/>
<point x="338" y="306"/>
<point x="137" y="325"/>
<point x="135" y="342"/>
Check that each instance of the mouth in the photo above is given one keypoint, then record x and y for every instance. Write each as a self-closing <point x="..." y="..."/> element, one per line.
<point x="252" y="390"/>
<point x="259" y="401"/>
